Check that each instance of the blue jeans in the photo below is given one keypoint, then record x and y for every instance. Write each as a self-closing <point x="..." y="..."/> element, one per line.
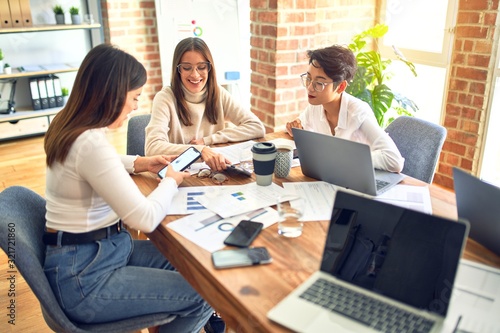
<point x="117" y="278"/>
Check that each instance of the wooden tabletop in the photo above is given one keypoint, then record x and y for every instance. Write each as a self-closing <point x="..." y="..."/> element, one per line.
<point x="244" y="295"/>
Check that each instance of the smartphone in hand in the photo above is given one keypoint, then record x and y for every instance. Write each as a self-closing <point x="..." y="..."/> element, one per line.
<point x="241" y="257"/>
<point x="244" y="233"/>
<point x="183" y="161"/>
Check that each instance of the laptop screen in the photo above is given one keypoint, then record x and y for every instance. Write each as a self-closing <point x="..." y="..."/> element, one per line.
<point x="403" y="254"/>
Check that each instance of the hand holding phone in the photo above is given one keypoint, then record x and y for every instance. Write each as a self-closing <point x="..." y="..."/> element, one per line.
<point x="182" y="162"/>
<point x="244" y="233"/>
<point x="241" y="257"/>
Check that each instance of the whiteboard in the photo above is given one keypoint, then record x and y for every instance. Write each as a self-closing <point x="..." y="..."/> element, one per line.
<point x="223" y="24"/>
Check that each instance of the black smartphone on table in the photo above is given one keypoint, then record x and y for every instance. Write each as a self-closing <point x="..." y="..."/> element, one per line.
<point x="183" y="161"/>
<point x="241" y="257"/>
<point x="244" y="233"/>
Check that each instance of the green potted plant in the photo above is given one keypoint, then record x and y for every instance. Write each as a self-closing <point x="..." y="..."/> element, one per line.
<point x="370" y="81"/>
<point x="7" y="69"/>
<point x="75" y="15"/>
<point x="65" y="94"/>
<point x="1" y="61"/>
<point x="59" y="13"/>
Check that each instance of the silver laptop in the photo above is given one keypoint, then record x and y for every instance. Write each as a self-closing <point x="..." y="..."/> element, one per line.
<point x="479" y="203"/>
<point x="341" y="162"/>
<point x="385" y="268"/>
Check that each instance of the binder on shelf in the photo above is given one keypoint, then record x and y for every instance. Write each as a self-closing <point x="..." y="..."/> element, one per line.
<point x="5" y="14"/>
<point x="35" y="95"/>
<point x="42" y="90"/>
<point x="51" y="95"/>
<point x="57" y="90"/>
<point x="26" y="13"/>
<point x="15" y="13"/>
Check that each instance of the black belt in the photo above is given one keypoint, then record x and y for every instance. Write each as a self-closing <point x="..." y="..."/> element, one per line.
<point x="68" y="238"/>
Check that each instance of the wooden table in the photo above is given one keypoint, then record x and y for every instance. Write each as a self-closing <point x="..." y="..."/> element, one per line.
<point x="243" y="296"/>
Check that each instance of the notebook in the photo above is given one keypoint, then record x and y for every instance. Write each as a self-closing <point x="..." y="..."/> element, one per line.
<point x="479" y="203"/>
<point x="341" y="162"/>
<point x="382" y="266"/>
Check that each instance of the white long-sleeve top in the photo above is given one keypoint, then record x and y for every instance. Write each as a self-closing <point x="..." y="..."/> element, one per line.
<point x="93" y="189"/>
<point x="356" y="123"/>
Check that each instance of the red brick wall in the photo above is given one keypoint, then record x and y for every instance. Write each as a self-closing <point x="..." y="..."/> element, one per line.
<point x="472" y="66"/>
<point x="281" y="33"/>
<point x="131" y="25"/>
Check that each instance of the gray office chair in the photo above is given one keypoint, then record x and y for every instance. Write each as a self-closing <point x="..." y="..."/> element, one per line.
<point x="22" y="216"/>
<point x="420" y="143"/>
<point x="136" y="134"/>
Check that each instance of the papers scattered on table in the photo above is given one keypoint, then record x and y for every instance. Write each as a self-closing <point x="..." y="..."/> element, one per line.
<point x="231" y="201"/>
<point x="408" y="196"/>
<point x="209" y="230"/>
<point x="475" y="301"/>
<point x="319" y="198"/>
<point x="186" y="200"/>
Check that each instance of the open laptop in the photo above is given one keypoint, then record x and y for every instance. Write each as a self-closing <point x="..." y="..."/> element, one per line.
<point x="341" y="162"/>
<point x="385" y="262"/>
<point x="479" y="203"/>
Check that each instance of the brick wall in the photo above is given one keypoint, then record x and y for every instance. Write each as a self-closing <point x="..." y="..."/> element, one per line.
<point x="131" y="25"/>
<point x="472" y="66"/>
<point x="281" y="33"/>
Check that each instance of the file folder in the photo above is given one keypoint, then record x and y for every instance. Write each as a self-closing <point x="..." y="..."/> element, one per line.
<point x="58" y="91"/>
<point x="42" y="90"/>
<point x="5" y="14"/>
<point x="15" y="14"/>
<point x="51" y="96"/>
<point x="35" y="96"/>
<point x="26" y="13"/>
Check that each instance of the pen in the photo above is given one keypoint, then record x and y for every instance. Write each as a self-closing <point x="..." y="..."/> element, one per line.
<point x="455" y="330"/>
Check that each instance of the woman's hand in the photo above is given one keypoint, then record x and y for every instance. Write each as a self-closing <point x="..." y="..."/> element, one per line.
<point x="152" y="163"/>
<point x="178" y="176"/>
<point x="295" y="123"/>
<point x="215" y="161"/>
<point x="197" y="142"/>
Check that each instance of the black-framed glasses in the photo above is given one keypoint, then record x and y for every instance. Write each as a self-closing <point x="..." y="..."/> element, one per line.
<point x="317" y="86"/>
<point x="201" y="67"/>
<point x="216" y="177"/>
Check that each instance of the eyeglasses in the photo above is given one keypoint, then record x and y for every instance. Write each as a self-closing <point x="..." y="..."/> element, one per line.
<point x="217" y="177"/>
<point x="201" y="67"/>
<point x="317" y="86"/>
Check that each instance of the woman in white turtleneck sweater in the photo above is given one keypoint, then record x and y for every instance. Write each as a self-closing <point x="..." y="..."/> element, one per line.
<point x="194" y="109"/>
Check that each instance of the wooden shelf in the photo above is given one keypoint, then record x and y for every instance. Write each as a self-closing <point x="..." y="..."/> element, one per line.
<point x="50" y="27"/>
<point x="20" y="114"/>
<point x="16" y="73"/>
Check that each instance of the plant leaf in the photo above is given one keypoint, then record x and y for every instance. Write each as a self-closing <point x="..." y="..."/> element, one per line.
<point x="382" y="97"/>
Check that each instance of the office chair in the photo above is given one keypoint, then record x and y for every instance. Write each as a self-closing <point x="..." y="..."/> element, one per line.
<point x="22" y="216"/>
<point x="136" y="135"/>
<point x="420" y="143"/>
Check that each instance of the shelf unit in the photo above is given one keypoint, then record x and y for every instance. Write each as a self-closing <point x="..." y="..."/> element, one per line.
<point x="26" y="122"/>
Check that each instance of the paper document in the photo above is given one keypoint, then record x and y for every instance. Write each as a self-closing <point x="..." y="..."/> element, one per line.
<point x="408" y="196"/>
<point x="231" y="201"/>
<point x="319" y="198"/>
<point x="208" y="230"/>
<point x="186" y="200"/>
<point x="233" y="151"/>
<point x="475" y="301"/>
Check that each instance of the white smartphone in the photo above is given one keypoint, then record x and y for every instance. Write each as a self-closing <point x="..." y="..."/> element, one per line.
<point x="183" y="161"/>
<point x="248" y="256"/>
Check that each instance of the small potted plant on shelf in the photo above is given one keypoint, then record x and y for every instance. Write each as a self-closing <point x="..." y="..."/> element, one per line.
<point x="75" y="16"/>
<point x="7" y="69"/>
<point x="1" y="61"/>
<point x="59" y="12"/>
<point x="65" y="94"/>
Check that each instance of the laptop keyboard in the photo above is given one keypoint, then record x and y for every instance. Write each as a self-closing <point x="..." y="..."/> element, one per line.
<point x="381" y="184"/>
<point x="364" y="309"/>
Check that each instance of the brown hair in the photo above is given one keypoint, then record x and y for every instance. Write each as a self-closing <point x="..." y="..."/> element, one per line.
<point x="338" y="62"/>
<point x="197" y="45"/>
<point x="97" y="99"/>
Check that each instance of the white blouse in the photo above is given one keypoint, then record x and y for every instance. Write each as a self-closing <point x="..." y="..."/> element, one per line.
<point x="357" y="123"/>
<point x="93" y="189"/>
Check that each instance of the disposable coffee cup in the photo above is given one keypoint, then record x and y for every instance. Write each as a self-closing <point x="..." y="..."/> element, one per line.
<point x="264" y="157"/>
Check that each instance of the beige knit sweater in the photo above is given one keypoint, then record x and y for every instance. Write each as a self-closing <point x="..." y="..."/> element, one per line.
<point x="165" y="133"/>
